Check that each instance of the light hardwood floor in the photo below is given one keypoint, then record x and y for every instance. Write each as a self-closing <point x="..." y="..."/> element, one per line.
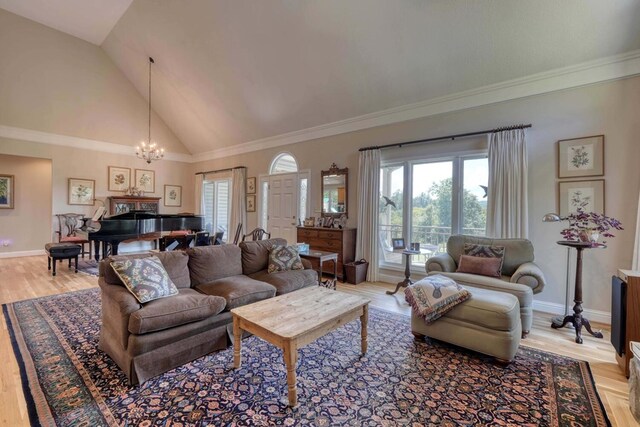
<point x="23" y="278"/>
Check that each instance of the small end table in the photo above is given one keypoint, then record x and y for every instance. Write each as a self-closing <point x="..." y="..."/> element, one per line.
<point x="576" y="318"/>
<point x="321" y="257"/>
<point x="407" y="271"/>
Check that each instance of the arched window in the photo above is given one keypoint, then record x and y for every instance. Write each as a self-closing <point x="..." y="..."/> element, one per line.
<point x="283" y="163"/>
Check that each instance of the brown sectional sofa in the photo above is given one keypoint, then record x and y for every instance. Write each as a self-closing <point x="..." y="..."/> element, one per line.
<point x="147" y="340"/>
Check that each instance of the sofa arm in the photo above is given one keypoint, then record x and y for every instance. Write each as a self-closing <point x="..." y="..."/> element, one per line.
<point x="117" y="306"/>
<point x="441" y="262"/>
<point x="306" y="263"/>
<point x="531" y="275"/>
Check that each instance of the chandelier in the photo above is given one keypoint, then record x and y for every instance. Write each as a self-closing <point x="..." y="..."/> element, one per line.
<point x="149" y="151"/>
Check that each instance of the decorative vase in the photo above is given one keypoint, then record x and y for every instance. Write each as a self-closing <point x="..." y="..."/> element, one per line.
<point x="584" y="235"/>
<point x="594" y="236"/>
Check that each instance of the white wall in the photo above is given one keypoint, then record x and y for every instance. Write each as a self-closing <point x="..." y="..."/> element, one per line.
<point x="608" y="108"/>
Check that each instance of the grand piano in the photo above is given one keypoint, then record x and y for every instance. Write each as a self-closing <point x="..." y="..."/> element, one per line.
<point x="137" y="225"/>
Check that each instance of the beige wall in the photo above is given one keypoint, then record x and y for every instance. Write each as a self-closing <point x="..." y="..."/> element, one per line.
<point x="73" y="163"/>
<point x="608" y="108"/>
<point x="26" y="226"/>
<point x="53" y="82"/>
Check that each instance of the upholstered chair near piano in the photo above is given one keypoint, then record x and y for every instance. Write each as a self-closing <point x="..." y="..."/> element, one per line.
<point x="68" y="226"/>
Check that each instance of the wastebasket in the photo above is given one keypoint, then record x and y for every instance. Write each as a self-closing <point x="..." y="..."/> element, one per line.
<point x="356" y="271"/>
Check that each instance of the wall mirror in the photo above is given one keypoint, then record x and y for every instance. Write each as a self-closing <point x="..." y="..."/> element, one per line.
<point x="334" y="191"/>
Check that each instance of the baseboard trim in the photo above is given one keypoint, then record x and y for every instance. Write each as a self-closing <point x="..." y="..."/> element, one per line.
<point x="18" y="254"/>
<point x="558" y="309"/>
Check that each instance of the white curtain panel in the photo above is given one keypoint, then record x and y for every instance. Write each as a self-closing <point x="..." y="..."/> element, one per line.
<point x="238" y="201"/>
<point x="368" y="199"/>
<point x="635" y="264"/>
<point x="199" y="195"/>
<point x="507" y="194"/>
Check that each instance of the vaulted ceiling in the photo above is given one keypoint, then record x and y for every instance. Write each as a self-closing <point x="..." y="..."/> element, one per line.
<point x="230" y="72"/>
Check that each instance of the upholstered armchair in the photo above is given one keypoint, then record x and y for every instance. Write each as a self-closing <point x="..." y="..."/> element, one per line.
<point x="520" y="275"/>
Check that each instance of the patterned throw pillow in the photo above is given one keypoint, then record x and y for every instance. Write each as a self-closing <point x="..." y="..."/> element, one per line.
<point x="145" y="278"/>
<point x="284" y="258"/>
<point x="485" y="251"/>
<point x="433" y="296"/>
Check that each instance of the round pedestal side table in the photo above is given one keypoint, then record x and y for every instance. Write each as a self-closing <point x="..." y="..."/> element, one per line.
<point x="576" y="318"/>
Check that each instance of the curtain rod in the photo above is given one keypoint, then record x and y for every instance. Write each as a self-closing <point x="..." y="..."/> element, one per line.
<point x="451" y="137"/>
<point x="220" y="170"/>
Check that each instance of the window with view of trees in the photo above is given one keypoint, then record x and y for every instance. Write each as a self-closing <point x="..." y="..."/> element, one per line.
<point x="447" y="197"/>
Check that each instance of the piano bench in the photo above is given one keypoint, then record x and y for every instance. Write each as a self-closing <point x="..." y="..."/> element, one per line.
<point x="60" y="251"/>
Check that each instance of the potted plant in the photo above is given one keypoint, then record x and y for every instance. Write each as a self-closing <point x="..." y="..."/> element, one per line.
<point x="589" y="226"/>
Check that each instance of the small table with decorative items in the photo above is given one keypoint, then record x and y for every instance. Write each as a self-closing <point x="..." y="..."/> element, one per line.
<point x="576" y="318"/>
<point x="407" y="271"/>
<point x="321" y="257"/>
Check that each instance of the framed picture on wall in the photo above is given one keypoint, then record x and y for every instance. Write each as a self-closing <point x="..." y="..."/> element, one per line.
<point x="251" y="185"/>
<point x="6" y="191"/>
<point x="81" y="191"/>
<point x="588" y="195"/>
<point x="581" y="157"/>
<point x="251" y="203"/>
<point x="119" y="178"/>
<point x="145" y="180"/>
<point x="173" y="195"/>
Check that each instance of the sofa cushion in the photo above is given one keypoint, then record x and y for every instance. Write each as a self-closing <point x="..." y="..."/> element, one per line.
<point x="209" y="263"/>
<point x="502" y="284"/>
<point x="238" y="290"/>
<point x="145" y="278"/>
<point x="255" y="254"/>
<point x="480" y="265"/>
<point x="516" y="251"/>
<point x="497" y="311"/>
<point x="284" y="258"/>
<point x="174" y="262"/>
<point x="288" y="281"/>
<point x="185" y="307"/>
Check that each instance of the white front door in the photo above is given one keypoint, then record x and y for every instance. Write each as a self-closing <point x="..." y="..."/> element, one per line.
<point x="283" y="206"/>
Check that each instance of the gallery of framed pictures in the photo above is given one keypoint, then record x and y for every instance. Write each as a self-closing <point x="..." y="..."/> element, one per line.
<point x="7" y="186"/>
<point x="81" y="191"/>
<point x="581" y="157"/>
<point x="586" y="195"/>
<point x="173" y="195"/>
<point x="251" y="203"/>
<point x="251" y="185"/>
<point x="145" y="180"/>
<point x="119" y="178"/>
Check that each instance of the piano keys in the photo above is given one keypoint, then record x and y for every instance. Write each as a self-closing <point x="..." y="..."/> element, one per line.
<point x="138" y="225"/>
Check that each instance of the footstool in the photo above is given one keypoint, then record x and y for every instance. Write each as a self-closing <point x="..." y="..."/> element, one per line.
<point x="60" y="251"/>
<point x="488" y="322"/>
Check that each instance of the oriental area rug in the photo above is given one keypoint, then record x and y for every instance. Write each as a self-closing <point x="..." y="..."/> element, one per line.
<point x="68" y="381"/>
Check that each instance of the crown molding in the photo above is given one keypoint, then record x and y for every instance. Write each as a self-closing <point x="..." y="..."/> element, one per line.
<point x="22" y="134"/>
<point x="587" y="73"/>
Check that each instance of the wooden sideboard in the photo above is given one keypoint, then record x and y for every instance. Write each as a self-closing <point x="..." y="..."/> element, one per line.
<point x="124" y="204"/>
<point x="340" y="241"/>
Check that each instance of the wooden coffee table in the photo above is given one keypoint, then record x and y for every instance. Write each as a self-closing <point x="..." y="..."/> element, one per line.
<point x="296" y="319"/>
